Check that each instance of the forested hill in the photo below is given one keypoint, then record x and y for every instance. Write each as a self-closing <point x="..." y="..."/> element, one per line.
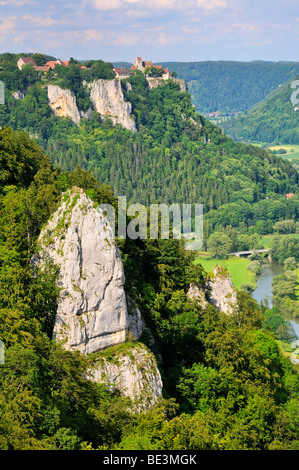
<point x="229" y="86"/>
<point x="226" y="384"/>
<point x="175" y="156"/>
<point x="274" y="120"/>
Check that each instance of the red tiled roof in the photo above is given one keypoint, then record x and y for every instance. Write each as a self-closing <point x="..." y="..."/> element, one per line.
<point x="147" y="63"/>
<point x="28" y="60"/>
<point x="43" y="68"/>
<point x="53" y="63"/>
<point x="121" y="71"/>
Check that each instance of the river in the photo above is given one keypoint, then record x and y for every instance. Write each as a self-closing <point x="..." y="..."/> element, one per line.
<point x="263" y="291"/>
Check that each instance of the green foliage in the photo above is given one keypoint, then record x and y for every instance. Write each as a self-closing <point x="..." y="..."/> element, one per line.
<point x="285" y="247"/>
<point x="230" y="86"/>
<point x="219" y="244"/>
<point x="274" y="120"/>
<point x="226" y="383"/>
<point x="237" y="184"/>
<point x="255" y="267"/>
<point x="275" y="322"/>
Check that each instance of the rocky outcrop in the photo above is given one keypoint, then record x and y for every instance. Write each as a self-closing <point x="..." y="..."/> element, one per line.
<point x="222" y="292"/>
<point x="63" y="103"/>
<point x="108" y="100"/>
<point x="18" y="95"/>
<point x="154" y="82"/>
<point x="219" y="292"/>
<point x="133" y="371"/>
<point x="92" y="312"/>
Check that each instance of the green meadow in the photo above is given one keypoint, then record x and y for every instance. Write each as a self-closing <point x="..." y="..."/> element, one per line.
<point x="236" y="267"/>
<point x="292" y="152"/>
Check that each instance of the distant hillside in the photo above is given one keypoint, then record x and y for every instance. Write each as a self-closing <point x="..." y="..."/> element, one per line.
<point x="174" y="154"/>
<point x="274" y="120"/>
<point x="229" y="86"/>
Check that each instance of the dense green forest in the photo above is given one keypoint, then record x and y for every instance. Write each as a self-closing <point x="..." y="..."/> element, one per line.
<point x="234" y="390"/>
<point x="229" y="86"/>
<point x="274" y="120"/>
<point x="175" y="156"/>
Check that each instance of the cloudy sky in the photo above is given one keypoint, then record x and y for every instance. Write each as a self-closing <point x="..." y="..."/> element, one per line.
<point x="158" y="30"/>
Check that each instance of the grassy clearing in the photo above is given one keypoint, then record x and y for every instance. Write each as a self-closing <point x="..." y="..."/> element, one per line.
<point x="237" y="268"/>
<point x="268" y="239"/>
<point x="292" y="152"/>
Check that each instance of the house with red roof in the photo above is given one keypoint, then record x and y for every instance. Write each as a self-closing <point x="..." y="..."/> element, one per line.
<point x="52" y="63"/>
<point x="122" y="72"/>
<point x="25" y="61"/>
<point x="41" y="68"/>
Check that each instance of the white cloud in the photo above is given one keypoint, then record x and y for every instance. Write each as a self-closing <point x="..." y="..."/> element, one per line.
<point x="124" y="39"/>
<point x="8" y="24"/>
<point x="42" y="22"/>
<point x="206" y="5"/>
<point x="17" y="3"/>
<point x="212" y="5"/>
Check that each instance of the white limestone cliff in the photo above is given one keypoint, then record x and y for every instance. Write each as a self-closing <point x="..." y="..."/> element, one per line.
<point x="18" y="95"/>
<point x="108" y="100"/>
<point x="154" y="82"/>
<point x="219" y="292"/>
<point x="133" y="371"/>
<point x="63" y="103"/>
<point x="92" y="312"/>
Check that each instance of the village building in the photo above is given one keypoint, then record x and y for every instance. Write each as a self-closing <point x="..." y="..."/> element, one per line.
<point x="289" y="195"/>
<point x="142" y="65"/>
<point x="28" y="60"/>
<point x="41" y="68"/>
<point x="25" y="61"/>
<point x="122" y="72"/>
<point x="52" y="63"/>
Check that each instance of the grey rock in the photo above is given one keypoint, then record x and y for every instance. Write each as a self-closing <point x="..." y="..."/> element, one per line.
<point x="134" y="372"/>
<point x="92" y="310"/>
<point x="108" y="100"/>
<point x="219" y="292"/>
<point x="63" y="103"/>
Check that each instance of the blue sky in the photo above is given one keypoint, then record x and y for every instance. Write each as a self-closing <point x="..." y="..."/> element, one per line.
<point x="158" y="30"/>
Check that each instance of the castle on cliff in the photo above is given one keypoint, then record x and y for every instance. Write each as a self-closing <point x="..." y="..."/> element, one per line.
<point x="142" y="65"/>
